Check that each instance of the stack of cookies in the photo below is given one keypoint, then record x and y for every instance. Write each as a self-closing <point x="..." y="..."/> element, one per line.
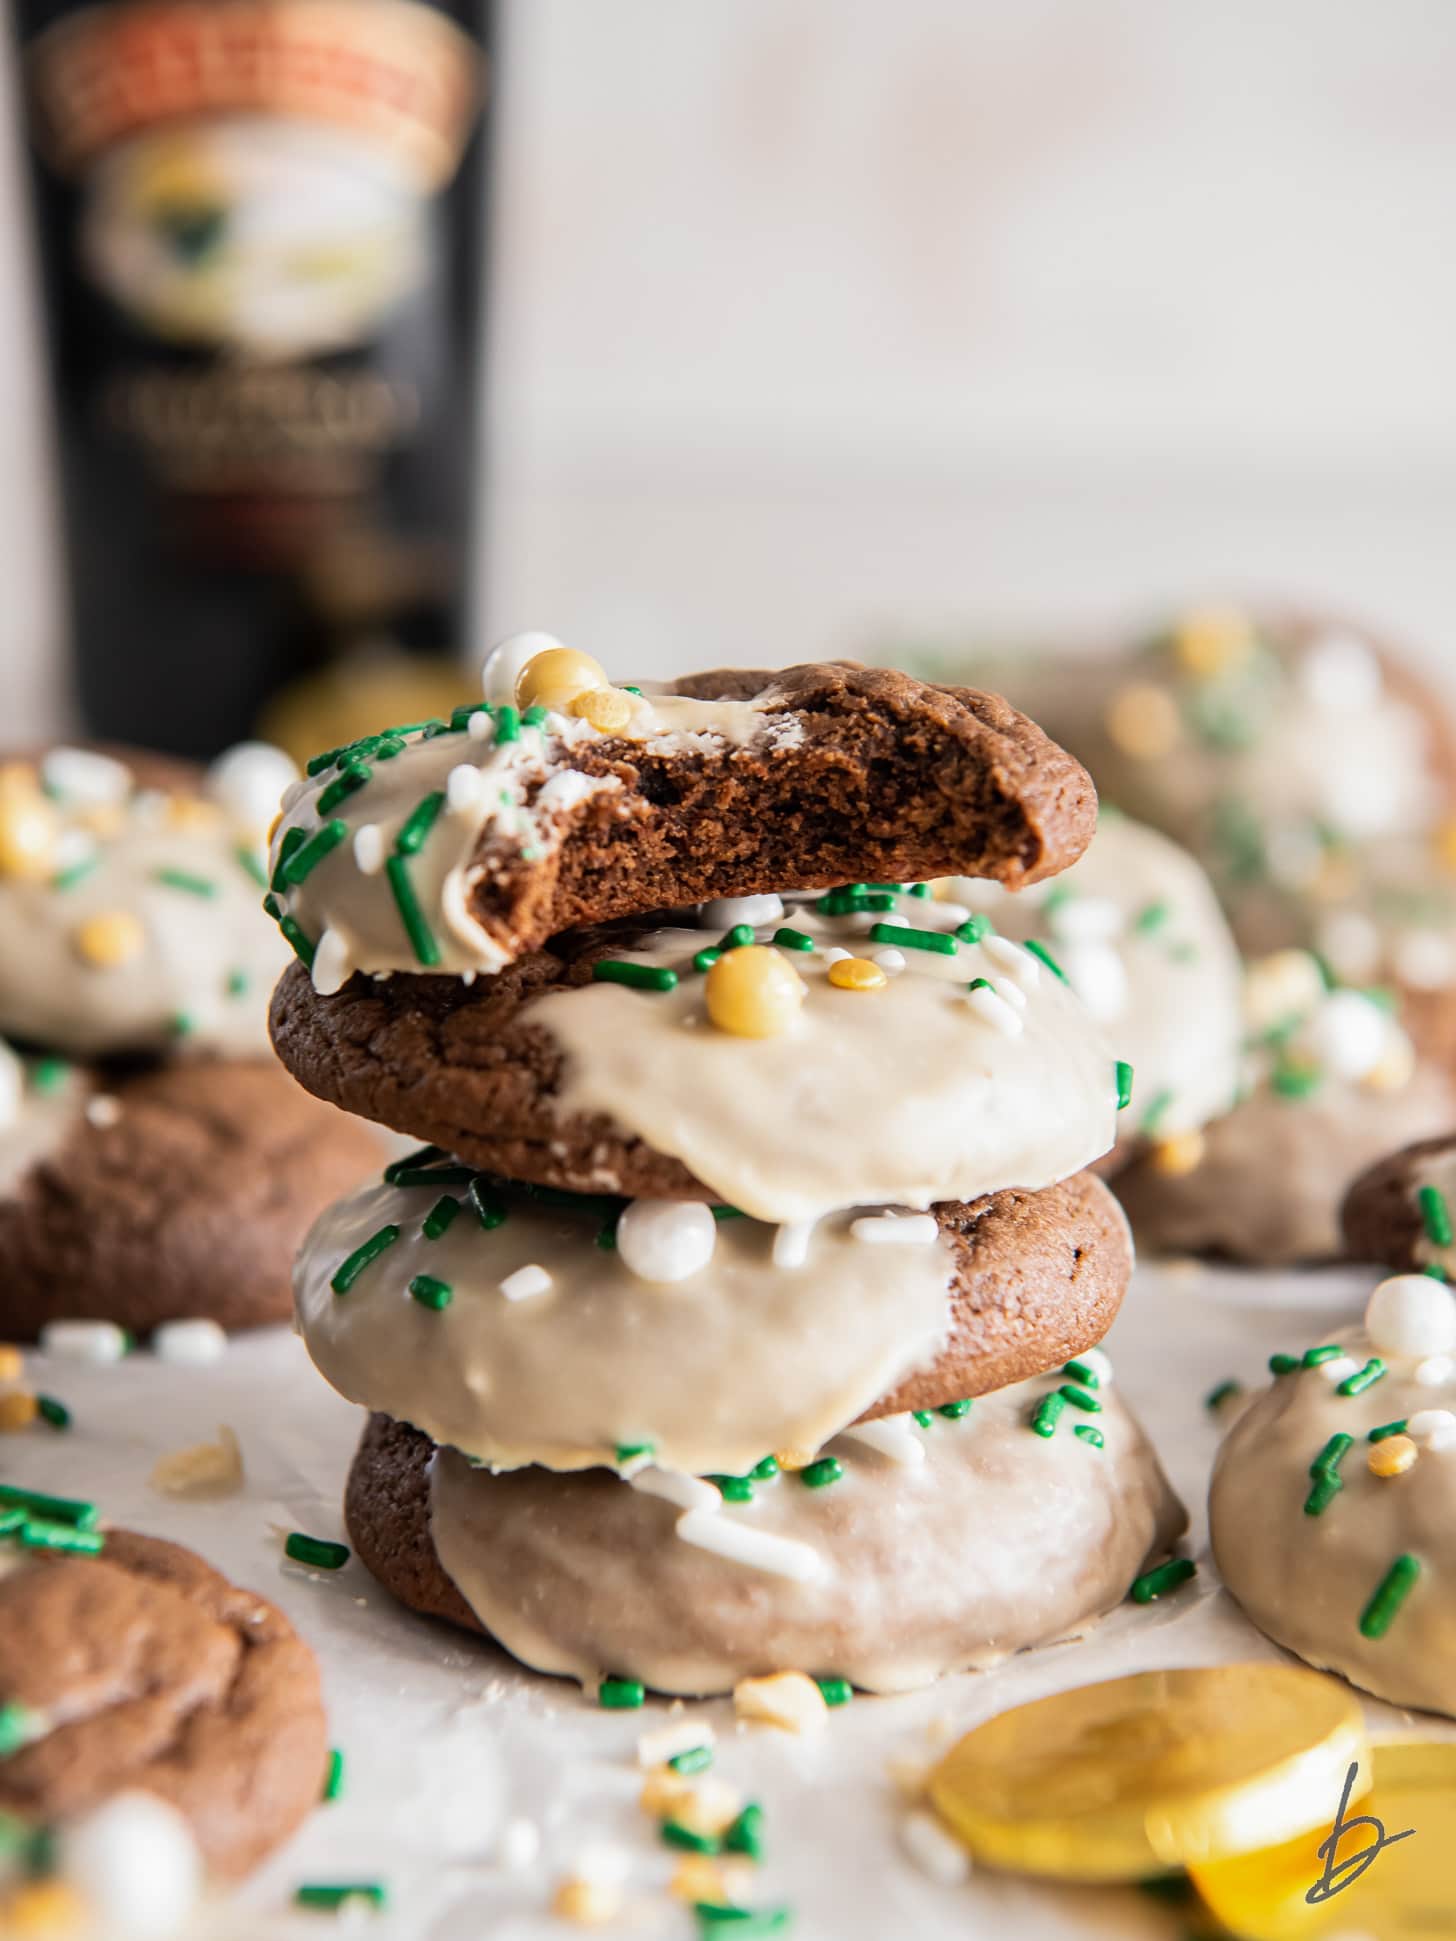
<point x="741" y="1313"/>
<point x="155" y="1166"/>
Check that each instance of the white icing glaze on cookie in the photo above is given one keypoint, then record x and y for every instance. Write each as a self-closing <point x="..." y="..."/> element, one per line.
<point x="1136" y="926"/>
<point x="1307" y="1579"/>
<point x="904" y="1095"/>
<point x="518" y="794"/>
<point x="713" y="1371"/>
<point x="49" y="1100"/>
<point x="998" y="1540"/>
<point x="133" y="922"/>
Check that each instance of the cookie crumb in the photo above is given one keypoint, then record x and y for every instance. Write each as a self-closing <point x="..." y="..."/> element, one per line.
<point x="202" y="1469"/>
<point x="788" y="1699"/>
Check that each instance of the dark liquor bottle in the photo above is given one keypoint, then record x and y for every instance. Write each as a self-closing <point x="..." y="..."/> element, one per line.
<point x="261" y="233"/>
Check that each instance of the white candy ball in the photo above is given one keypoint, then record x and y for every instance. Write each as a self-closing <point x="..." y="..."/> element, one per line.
<point x="1412" y="1314"/>
<point x="135" y="1861"/>
<point x="85" y="777"/>
<point x="1432" y="1428"/>
<point x="505" y="664"/>
<point x="1348" y="1034"/>
<point x="1096" y="973"/>
<point x="666" y="1240"/>
<point x="1340" y="673"/>
<point x="724" y="911"/>
<point x="12" y="1086"/>
<point x="189" y="1344"/>
<point x="248" y="781"/>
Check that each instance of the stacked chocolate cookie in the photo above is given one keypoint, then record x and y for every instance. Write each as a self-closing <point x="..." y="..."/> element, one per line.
<point x="742" y="1312"/>
<point x="154" y="1164"/>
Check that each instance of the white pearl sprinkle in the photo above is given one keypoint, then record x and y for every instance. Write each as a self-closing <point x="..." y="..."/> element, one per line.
<point x="891" y="962"/>
<point x="791" y="1243"/>
<point x="1348" y="1034"/>
<point x="1432" y="1428"/>
<point x="249" y="780"/>
<point x="103" y="1111"/>
<point x="518" y="1845"/>
<point x="832" y="954"/>
<point x="1435" y="1371"/>
<point x="759" y="1549"/>
<point x="992" y="1009"/>
<point x="724" y="911"/>
<point x="505" y="663"/>
<point x="935" y="1851"/>
<point x="189" y="1344"/>
<point x="666" y="1241"/>
<point x="464" y="786"/>
<point x="83" y="776"/>
<point x="687" y="1492"/>
<point x="1412" y="1314"/>
<point x="895" y="1229"/>
<point x="479" y="727"/>
<point x="1338" y="1368"/>
<point x="526" y="1283"/>
<point x="93" y="1341"/>
<point x="1339" y="672"/>
<point x="369" y="848"/>
<point x="134" y="1858"/>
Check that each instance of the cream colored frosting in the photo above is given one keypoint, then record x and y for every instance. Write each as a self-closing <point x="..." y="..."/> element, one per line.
<point x="45" y="1106"/>
<point x="741" y="1358"/>
<point x="207" y="959"/>
<point x="904" y="1095"/>
<point x="1136" y="927"/>
<point x="998" y="1540"/>
<point x="1305" y="1580"/>
<point x="504" y="802"/>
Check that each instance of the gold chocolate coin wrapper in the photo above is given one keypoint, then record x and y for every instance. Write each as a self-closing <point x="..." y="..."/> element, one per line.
<point x="1406" y="1891"/>
<point x="1117" y="1781"/>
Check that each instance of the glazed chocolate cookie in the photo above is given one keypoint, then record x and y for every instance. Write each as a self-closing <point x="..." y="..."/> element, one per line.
<point x="867" y="1576"/>
<point x="142" y="1668"/>
<point x="162" y="1195"/>
<point x="129" y="889"/>
<point x="524" y="1330"/>
<point x="1400" y="1211"/>
<point x="460" y="846"/>
<point x="942" y="1061"/>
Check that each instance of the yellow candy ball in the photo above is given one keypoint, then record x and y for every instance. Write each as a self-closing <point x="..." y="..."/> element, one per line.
<point x="18" y="1409"/>
<point x="28" y="836"/>
<point x="1213" y="641"/>
<point x="753" y="992"/>
<point x="1142" y="720"/>
<point x="555" y="678"/>
<point x="856" y="974"/>
<point x="1392" y="1457"/>
<point x="44" y="1908"/>
<point x="1179" y="1154"/>
<point x="110" y="938"/>
<point x="608" y="709"/>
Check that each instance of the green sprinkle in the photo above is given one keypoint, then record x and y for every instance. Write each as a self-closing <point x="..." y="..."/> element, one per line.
<point x="310" y="854"/>
<point x="1328" y="1461"/>
<point x="536" y="714"/>
<point x="1041" y="951"/>
<point x="746" y="1833"/>
<point x="1436" y="1271"/>
<point x="923" y="1417"/>
<point x="818" y="1475"/>
<point x="1283" y="1364"/>
<point x="637" y="977"/>
<point x="37" y="1534"/>
<point x="49" y="1074"/>
<point x="1047" y="1413"/>
<point x="54" y="1412"/>
<point x="316" y="764"/>
<point x="333" y="1777"/>
<point x="735" y="1489"/>
<point x="1088" y="1432"/>
<point x="298" y="939"/>
<point x="1151" y="917"/>
<point x="1366" y="1377"/>
<point x="16" y="1728"/>
<point x="421" y="1156"/>
<point x="1313" y="1357"/>
<point x="974" y="930"/>
<point x="629" y="1452"/>
<point x="728" y="1213"/>
<point x="434" y="1176"/>
<point x="343" y="786"/>
<point x="1295" y="1081"/>
<point x="919" y="889"/>
<point x="431" y="1292"/>
<point x="53" y="1509"/>
<point x="386" y="750"/>
<point x="238" y="983"/>
<point x="422" y="938"/>
<point x="486" y="1206"/>
<point x="418" y="824"/>
<point x="507" y="724"/>
<point x="788" y="939"/>
<point x="1323" y="1491"/>
<point x="1166" y="1577"/>
<point x="1124" y="1085"/>
<point x="317" y="1552"/>
<point x="67" y="879"/>
<point x="751" y="1923"/>
<point x="349" y="1270"/>
<point x="1390" y="1593"/>
<point x="704" y="960"/>
<point x="331" y="1897"/>
<point x="738" y="938"/>
<point x="1435" y="1215"/>
<point x="1225" y="1392"/>
<point x="1083" y="1372"/>
<point x="289" y="843"/>
<point x="607" y="1237"/>
<point x="675" y="1834"/>
<point x="836" y="1691"/>
<point x="10" y="1522"/>
<point x="765" y="1471"/>
<point x="181" y="1024"/>
<point x="1157" y="1106"/>
<point x="439" y="1217"/>
<point x="906" y="936"/>
<point x="953" y="1411"/>
<point x="696" y="1759"/>
<point x="1387" y="1429"/>
<point x="621" y="1694"/>
<point x="1079" y="1398"/>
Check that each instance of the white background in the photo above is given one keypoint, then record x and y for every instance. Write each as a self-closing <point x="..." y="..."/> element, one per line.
<point x="820" y="319"/>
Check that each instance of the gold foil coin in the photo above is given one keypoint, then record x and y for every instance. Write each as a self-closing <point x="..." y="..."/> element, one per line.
<point x="1389" y="1871"/>
<point x="1122" y="1780"/>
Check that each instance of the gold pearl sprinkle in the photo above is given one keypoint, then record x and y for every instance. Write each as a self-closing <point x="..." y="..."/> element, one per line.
<point x="1397" y="1065"/>
<point x="590" y="1903"/>
<point x="856" y="974"/>
<point x="1392" y="1457"/>
<point x="608" y="709"/>
<point x="43" y="1907"/>
<point x="12" y="1364"/>
<point x="109" y="939"/>
<point x="18" y="1410"/>
<point x="1212" y="640"/>
<point x="753" y="992"/>
<point x="29" y="833"/>
<point x="554" y="679"/>
<point x="1142" y="720"/>
<point x="1179" y="1154"/>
